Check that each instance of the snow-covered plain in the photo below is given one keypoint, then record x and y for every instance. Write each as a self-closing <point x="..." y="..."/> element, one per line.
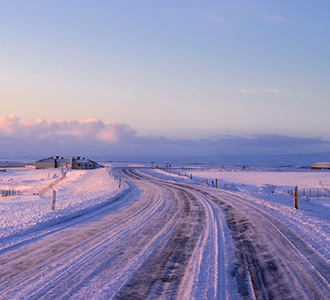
<point x="271" y="189"/>
<point x="262" y="176"/>
<point x="147" y="218"/>
<point x="79" y="192"/>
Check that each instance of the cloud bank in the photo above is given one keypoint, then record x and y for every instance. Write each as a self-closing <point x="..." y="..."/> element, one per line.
<point x="94" y="137"/>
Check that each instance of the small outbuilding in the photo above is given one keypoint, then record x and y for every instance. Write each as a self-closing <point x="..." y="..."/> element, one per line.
<point x="76" y="163"/>
<point x="320" y="166"/>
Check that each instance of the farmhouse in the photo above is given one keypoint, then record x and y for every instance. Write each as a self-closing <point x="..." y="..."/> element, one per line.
<point x="76" y="163"/>
<point x="320" y="165"/>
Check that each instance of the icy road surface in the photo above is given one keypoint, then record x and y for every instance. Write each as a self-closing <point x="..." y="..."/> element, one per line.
<point x="166" y="240"/>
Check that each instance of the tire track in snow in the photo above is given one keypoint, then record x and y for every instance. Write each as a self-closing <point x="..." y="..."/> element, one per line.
<point x="272" y="262"/>
<point x="83" y="247"/>
<point x="206" y="277"/>
<point x="157" y="238"/>
<point x="276" y="262"/>
<point x="163" y="272"/>
<point x="207" y="269"/>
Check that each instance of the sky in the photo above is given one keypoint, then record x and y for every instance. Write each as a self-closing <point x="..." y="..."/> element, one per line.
<point x="164" y="75"/>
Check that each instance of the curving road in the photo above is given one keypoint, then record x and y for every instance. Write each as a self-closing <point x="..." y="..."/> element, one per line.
<point x="165" y="240"/>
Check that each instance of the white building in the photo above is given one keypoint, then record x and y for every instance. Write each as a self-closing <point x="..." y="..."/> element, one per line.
<point x="76" y="163"/>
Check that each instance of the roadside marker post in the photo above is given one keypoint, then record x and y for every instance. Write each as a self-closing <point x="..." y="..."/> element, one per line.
<point x="296" y="197"/>
<point x="54" y="200"/>
<point x="216" y="183"/>
<point x="119" y="182"/>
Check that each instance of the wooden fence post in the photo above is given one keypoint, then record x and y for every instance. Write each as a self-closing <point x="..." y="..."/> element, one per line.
<point x="54" y="199"/>
<point x="216" y="183"/>
<point x="296" y="197"/>
<point x="119" y="182"/>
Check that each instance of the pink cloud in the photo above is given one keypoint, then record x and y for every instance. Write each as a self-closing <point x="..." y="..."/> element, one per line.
<point x="67" y="134"/>
<point x="92" y="129"/>
<point x="95" y="137"/>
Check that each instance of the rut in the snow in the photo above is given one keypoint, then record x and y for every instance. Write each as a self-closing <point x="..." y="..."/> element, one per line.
<point x="162" y="273"/>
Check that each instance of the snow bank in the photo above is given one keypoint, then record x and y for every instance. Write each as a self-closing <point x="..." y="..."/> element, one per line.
<point x="269" y="191"/>
<point x="80" y="190"/>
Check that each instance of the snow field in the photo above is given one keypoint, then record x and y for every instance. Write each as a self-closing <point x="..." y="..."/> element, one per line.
<point x="269" y="191"/>
<point x="27" y="180"/>
<point x="263" y="190"/>
<point x="178" y="238"/>
<point x="303" y="179"/>
<point x="81" y="189"/>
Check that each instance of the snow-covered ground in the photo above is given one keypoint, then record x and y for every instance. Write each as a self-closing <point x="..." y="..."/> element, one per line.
<point x="80" y="190"/>
<point x="131" y="223"/>
<point x="260" y="177"/>
<point x="270" y="189"/>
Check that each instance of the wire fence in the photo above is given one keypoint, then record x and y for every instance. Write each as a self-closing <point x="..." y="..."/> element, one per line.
<point x="313" y="192"/>
<point x="10" y="193"/>
<point x="13" y="192"/>
<point x="45" y="189"/>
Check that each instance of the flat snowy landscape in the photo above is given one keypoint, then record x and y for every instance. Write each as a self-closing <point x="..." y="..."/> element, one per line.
<point x="164" y="150"/>
<point x="166" y="233"/>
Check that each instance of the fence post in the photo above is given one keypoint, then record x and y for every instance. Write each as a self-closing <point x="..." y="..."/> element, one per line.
<point x="216" y="183"/>
<point x="296" y="197"/>
<point x="54" y="199"/>
<point x="119" y="182"/>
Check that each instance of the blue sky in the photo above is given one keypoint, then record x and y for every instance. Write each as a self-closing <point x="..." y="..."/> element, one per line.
<point x="179" y="69"/>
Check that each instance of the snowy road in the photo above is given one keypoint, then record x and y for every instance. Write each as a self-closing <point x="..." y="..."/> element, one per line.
<point x="166" y="240"/>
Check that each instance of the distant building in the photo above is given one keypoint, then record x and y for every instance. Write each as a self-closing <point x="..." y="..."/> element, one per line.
<point x="76" y="163"/>
<point x="320" y="165"/>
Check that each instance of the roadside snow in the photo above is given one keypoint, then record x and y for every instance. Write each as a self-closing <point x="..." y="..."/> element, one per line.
<point x="271" y="191"/>
<point x="80" y="190"/>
